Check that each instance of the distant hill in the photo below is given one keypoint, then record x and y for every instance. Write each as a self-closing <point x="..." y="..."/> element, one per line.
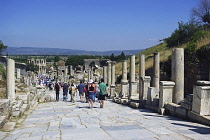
<point x="59" y="51"/>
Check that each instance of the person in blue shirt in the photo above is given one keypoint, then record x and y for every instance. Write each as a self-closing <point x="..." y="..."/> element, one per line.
<point x="80" y="88"/>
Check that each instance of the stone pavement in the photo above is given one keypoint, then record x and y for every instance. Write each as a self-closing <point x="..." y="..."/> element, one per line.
<point x="75" y="121"/>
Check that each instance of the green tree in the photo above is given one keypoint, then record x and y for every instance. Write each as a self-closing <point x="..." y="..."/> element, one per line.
<point x="183" y="34"/>
<point x="78" y="60"/>
<point x="57" y="58"/>
<point x="112" y="58"/>
<point x="2" y="47"/>
<point x="31" y="67"/>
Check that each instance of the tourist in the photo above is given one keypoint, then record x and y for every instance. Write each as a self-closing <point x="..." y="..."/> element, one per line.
<point x="91" y="94"/>
<point x="102" y="94"/>
<point x="65" y="91"/>
<point x="80" y="88"/>
<point x="72" y="92"/>
<point x="107" y="92"/>
<point x="86" y="92"/>
<point x="57" y="90"/>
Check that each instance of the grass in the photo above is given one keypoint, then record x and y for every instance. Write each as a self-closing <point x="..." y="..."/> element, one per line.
<point x="164" y="54"/>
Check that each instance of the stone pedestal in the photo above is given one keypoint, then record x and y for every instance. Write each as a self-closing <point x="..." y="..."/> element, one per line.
<point x="132" y="90"/>
<point x="201" y="100"/>
<point x="10" y="79"/>
<point x="145" y="85"/>
<point x="178" y="74"/>
<point x="166" y="91"/>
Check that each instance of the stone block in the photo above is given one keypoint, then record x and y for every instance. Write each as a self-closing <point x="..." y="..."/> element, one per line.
<point x="9" y="126"/>
<point x="176" y="110"/>
<point x="134" y="105"/>
<point x="16" y="113"/>
<point x="197" y="118"/>
<point x="155" y="102"/>
<point x="25" y="97"/>
<point x="181" y="112"/>
<point x="124" y="101"/>
<point x="201" y="100"/>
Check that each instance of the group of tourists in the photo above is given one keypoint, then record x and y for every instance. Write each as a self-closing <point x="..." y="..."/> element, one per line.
<point x="88" y="93"/>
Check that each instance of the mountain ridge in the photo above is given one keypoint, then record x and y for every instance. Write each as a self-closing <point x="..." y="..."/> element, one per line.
<point x="61" y="51"/>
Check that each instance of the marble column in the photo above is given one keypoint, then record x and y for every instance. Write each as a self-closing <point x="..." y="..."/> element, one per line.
<point x="178" y="74"/>
<point x="124" y="81"/>
<point x="18" y="74"/>
<point x="112" y="88"/>
<point x="70" y="70"/>
<point x="10" y="79"/>
<point x="141" y="74"/>
<point x="104" y="74"/>
<point x="156" y="68"/>
<point x="109" y="73"/>
<point x="89" y="73"/>
<point x="132" y="82"/>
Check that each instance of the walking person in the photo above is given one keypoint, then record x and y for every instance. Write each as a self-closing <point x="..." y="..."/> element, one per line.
<point x="65" y="91"/>
<point x="86" y="92"/>
<point x="72" y="92"/>
<point x="57" y="90"/>
<point x="91" y="94"/>
<point x="80" y="88"/>
<point x="102" y="94"/>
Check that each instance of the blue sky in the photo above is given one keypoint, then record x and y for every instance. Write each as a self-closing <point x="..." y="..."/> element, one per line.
<point x="94" y="25"/>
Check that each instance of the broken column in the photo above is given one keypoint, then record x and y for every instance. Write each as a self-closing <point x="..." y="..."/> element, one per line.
<point x="132" y="82"/>
<point x="178" y="74"/>
<point x="104" y="74"/>
<point x="10" y="79"/>
<point x="112" y="87"/>
<point x="124" y="81"/>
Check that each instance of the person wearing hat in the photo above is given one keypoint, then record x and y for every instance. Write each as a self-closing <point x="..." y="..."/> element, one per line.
<point x="91" y="94"/>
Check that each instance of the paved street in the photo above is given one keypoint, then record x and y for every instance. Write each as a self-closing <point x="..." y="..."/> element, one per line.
<point x="75" y="121"/>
